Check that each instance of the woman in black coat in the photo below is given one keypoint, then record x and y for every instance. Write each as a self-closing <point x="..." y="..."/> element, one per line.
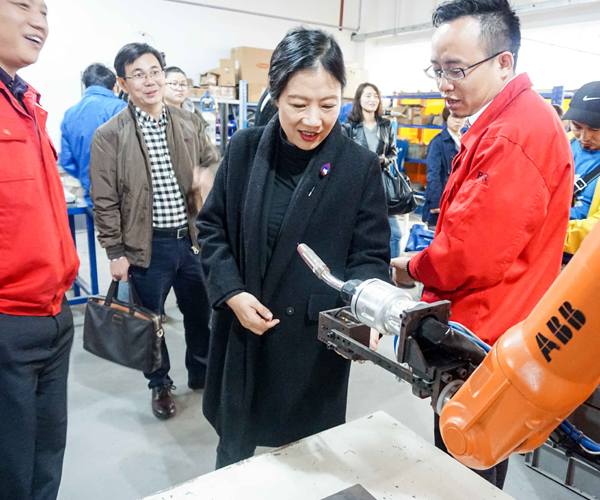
<point x="366" y="126"/>
<point x="298" y="180"/>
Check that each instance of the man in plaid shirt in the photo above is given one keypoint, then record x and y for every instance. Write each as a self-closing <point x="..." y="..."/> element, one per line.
<point x="145" y="167"/>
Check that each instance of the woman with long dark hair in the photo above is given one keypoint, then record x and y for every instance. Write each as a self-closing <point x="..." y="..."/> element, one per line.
<point x="298" y="179"/>
<point x="366" y="126"/>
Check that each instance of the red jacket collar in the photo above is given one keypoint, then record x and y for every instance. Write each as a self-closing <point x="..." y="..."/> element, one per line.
<point x="503" y="99"/>
<point x="31" y="97"/>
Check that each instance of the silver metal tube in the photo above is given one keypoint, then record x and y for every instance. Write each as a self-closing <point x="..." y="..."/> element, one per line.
<point x="332" y="281"/>
<point x="319" y="267"/>
<point x="260" y="14"/>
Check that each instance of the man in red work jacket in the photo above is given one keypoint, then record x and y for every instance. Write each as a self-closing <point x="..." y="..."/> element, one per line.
<point x="504" y="213"/>
<point x="38" y="263"/>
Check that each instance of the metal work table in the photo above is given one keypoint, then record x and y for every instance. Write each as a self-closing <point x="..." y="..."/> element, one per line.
<point x="389" y="460"/>
<point x="80" y="284"/>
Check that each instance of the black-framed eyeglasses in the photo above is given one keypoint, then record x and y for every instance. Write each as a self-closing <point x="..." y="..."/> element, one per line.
<point x="176" y="85"/>
<point x="454" y="73"/>
<point x="138" y="77"/>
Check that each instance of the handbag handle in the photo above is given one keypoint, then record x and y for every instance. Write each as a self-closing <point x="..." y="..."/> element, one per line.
<point x="133" y="298"/>
<point x="112" y="290"/>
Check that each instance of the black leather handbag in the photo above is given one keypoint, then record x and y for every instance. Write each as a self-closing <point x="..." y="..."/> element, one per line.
<point x="398" y="191"/>
<point x="124" y="333"/>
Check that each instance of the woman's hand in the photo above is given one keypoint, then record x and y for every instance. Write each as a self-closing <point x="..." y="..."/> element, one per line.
<point x="251" y="313"/>
<point x="374" y="342"/>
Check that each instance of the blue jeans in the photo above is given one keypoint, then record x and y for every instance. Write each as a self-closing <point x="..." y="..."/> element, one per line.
<point x="174" y="265"/>
<point x="123" y="291"/>
<point x="396" y="236"/>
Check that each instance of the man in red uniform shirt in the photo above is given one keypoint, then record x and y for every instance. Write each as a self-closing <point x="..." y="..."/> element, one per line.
<point x="504" y="213"/>
<point x="38" y="263"/>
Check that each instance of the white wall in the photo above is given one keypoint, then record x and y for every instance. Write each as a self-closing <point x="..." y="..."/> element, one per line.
<point x="564" y="52"/>
<point x="388" y="14"/>
<point x="194" y="38"/>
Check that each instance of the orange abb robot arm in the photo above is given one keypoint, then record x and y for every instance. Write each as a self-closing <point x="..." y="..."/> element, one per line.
<point x="536" y="374"/>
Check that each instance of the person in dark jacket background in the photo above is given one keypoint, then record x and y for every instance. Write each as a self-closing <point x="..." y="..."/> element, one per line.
<point x="176" y="87"/>
<point x="440" y="153"/>
<point x="270" y="380"/>
<point x="366" y="126"/>
<point x="98" y="105"/>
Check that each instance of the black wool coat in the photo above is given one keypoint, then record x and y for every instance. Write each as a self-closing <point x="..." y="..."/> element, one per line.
<point x="285" y="385"/>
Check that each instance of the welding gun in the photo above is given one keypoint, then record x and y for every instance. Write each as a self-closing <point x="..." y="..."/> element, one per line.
<point x="508" y="401"/>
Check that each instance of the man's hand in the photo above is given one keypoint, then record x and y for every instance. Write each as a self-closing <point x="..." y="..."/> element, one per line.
<point x="399" y="274"/>
<point x="435" y="211"/>
<point x="203" y="180"/>
<point x="251" y="313"/>
<point x="119" y="269"/>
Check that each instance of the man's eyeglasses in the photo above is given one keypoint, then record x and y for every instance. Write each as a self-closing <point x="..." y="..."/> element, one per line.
<point x="138" y="77"/>
<point x="454" y="73"/>
<point x="175" y="85"/>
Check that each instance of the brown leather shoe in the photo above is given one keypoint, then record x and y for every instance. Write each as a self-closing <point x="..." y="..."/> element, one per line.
<point x="163" y="405"/>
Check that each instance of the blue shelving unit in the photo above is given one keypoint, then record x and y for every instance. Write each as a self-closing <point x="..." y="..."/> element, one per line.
<point x="433" y="127"/>
<point x="557" y="96"/>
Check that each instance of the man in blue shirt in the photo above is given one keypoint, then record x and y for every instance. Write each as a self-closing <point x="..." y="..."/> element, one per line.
<point x="584" y="113"/>
<point x="98" y="105"/>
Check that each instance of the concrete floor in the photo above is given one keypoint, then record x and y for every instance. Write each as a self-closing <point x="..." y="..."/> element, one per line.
<point x="116" y="448"/>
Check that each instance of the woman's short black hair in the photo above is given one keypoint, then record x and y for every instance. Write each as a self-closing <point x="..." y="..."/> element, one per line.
<point x="303" y="49"/>
<point x="356" y="114"/>
<point x="173" y="69"/>
<point x="445" y="115"/>
<point x="98" y="74"/>
<point x="133" y="51"/>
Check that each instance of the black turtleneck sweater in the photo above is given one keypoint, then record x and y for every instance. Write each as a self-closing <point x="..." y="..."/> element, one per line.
<point x="290" y="166"/>
<point x="16" y="86"/>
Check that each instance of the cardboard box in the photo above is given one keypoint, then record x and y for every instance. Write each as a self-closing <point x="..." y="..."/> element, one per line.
<point x="403" y="114"/>
<point x="218" y="92"/>
<point x="252" y="64"/>
<point x="420" y="120"/>
<point x="255" y="91"/>
<point x="399" y="112"/>
<point x="227" y="73"/>
<point x="195" y="92"/>
<point x="209" y="78"/>
<point x="354" y="77"/>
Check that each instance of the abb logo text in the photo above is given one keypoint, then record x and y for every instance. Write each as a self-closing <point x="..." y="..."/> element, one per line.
<point x="562" y="332"/>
